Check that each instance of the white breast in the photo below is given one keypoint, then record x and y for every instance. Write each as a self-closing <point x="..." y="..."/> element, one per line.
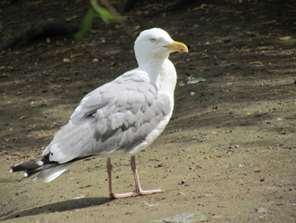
<point x="167" y="79"/>
<point x="166" y="83"/>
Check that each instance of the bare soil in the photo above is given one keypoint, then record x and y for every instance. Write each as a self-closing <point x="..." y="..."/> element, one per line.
<point x="229" y="152"/>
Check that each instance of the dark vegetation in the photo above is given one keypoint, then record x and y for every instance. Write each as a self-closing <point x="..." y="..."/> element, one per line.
<point x="68" y="22"/>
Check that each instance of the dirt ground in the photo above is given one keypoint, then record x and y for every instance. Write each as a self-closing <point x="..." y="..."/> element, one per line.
<point x="228" y="154"/>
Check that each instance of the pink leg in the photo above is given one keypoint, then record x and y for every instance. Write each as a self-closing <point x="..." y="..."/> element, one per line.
<point x="138" y="189"/>
<point x="111" y="194"/>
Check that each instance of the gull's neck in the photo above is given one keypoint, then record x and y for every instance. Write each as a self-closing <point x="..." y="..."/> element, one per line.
<point x="153" y="67"/>
<point x="162" y="73"/>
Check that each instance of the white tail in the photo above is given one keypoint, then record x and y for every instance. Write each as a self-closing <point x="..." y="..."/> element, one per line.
<point x="48" y="175"/>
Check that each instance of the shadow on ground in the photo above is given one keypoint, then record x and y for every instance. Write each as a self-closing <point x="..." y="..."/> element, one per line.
<point x="60" y="207"/>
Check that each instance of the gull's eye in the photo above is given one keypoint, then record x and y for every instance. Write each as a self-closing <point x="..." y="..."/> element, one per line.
<point x="152" y="40"/>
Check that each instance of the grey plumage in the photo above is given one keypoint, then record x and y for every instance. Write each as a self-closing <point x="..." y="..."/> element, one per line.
<point x="116" y="116"/>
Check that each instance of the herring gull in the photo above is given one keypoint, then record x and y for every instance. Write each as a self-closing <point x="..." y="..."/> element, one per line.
<point x="126" y="114"/>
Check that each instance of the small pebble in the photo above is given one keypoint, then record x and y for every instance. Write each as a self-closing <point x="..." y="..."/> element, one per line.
<point x="261" y="210"/>
<point x="257" y="170"/>
<point x="181" y="182"/>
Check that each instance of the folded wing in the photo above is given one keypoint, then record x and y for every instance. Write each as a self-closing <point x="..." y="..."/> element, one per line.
<point x="116" y="116"/>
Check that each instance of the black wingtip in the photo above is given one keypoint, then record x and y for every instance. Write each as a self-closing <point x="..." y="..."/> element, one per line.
<point x="27" y="166"/>
<point x="15" y="168"/>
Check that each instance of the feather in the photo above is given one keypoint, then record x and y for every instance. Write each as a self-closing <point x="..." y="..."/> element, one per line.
<point x="48" y="175"/>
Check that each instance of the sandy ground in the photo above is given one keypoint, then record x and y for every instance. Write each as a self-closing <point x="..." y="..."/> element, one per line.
<point x="228" y="154"/>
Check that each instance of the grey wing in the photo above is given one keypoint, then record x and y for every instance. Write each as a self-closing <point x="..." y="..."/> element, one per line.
<point x="130" y="119"/>
<point x="118" y="115"/>
<point x="105" y="94"/>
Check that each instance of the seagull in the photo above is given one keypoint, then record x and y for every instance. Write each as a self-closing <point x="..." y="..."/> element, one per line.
<point x="126" y="114"/>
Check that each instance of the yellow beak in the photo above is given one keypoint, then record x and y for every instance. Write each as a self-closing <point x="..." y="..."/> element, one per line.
<point x="178" y="47"/>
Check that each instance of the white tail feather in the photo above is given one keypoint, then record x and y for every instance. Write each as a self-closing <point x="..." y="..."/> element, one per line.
<point x="48" y="175"/>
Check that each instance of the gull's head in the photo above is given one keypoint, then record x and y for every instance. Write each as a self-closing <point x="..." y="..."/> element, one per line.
<point x="156" y="44"/>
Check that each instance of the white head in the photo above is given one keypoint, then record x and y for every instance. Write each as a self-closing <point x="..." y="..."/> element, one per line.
<point x="156" y="44"/>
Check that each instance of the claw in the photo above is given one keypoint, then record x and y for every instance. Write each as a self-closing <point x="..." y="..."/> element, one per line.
<point x="134" y="193"/>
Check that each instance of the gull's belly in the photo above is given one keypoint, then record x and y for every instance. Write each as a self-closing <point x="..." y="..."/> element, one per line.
<point x="153" y="135"/>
